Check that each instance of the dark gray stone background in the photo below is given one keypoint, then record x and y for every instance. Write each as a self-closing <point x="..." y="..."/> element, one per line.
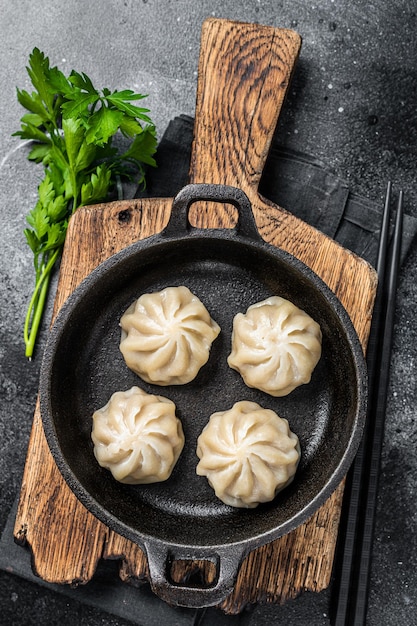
<point x="353" y="103"/>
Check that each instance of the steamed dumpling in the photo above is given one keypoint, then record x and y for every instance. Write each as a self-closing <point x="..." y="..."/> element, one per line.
<point x="137" y="436"/>
<point x="275" y="346"/>
<point x="167" y="336"/>
<point x="248" y="454"/>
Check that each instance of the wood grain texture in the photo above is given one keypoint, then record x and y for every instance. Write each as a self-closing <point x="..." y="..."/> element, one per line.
<point x="67" y="542"/>
<point x="244" y="72"/>
<point x="243" y="76"/>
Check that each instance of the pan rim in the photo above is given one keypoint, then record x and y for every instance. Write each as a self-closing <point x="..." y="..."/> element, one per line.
<point x="358" y="360"/>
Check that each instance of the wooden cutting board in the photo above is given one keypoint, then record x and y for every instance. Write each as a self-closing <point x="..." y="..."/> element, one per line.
<point x="244" y="72"/>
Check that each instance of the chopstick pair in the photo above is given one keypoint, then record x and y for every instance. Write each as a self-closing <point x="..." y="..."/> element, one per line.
<point x="352" y="580"/>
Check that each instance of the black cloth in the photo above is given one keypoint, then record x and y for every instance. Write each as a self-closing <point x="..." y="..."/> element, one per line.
<point x="296" y="181"/>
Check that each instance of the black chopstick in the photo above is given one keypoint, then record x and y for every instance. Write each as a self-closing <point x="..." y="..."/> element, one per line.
<point x="352" y="577"/>
<point x="378" y="409"/>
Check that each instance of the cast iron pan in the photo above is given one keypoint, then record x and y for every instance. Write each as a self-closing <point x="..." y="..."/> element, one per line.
<point x="228" y="269"/>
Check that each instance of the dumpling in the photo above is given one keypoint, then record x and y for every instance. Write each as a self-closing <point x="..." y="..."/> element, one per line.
<point x="137" y="436"/>
<point x="167" y="336"/>
<point x="275" y="346"/>
<point x="248" y="454"/>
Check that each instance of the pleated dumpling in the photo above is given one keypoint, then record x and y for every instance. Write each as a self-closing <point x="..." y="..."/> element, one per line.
<point x="167" y="336"/>
<point x="275" y="346"/>
<point x="248" y="454"/>
<point x="137" y="436"/>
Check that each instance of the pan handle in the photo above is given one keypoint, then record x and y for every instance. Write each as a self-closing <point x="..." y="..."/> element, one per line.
<point x="160" y="557"/>
<point x="179" y="223"/>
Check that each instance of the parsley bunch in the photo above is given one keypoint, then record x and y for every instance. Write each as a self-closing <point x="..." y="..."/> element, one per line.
<point x="72" y="125"/>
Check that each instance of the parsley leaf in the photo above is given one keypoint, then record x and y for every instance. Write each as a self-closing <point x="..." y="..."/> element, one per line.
<point x="96" y="188"/>
<point x="72" y="125"/>
<point x="103" y="124"/>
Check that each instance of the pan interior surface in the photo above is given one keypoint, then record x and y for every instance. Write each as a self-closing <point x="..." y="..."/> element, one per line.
<point x="83" y="366"/>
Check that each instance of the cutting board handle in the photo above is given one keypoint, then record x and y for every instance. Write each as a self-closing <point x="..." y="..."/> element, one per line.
<point x="243" y="76"/>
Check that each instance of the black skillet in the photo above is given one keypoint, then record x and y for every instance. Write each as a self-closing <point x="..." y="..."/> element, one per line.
<point x="228" y="269"/>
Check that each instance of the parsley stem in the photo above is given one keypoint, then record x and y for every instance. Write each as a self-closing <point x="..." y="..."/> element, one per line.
<point x="37" y="305"/>
<point x="72" y="125"/>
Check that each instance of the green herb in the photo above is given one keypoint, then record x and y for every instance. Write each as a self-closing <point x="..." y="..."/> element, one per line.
<point x="72" y="125"/>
